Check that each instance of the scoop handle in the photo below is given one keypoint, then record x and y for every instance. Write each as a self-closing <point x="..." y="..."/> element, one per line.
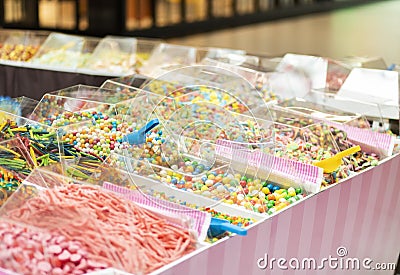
<point x="150" y="125"/>
<point x="349" y="151"/>
<point x="232" y="228"/>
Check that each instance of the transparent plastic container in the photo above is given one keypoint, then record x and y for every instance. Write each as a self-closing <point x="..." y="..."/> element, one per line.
<point x="115" y="55"/>
<point x="43" y="139"/>
<point x="364" y="62"/>
<point x="317" y="110"/>
<point x="336" y="75"/>
<point x="167" y="56"/>
<point x="59" y="219"/>
<point x="214" y="84"/>
<point x="16" y="164"/>
<point x="64" y="51"/>
<point x="20" y="45"/>
<point x="135" y="80"/>
<point x="307" y="139"/>
<point x="66" y="105"/>
<point x="27" y="105"/>
<point x="144" y="50"/>
<point x="199" y="111"/>
<point x="148" y="182"/>
<point x="10" y="105"/>
<point x="219" y="54"/>
<point x="253" y="76"/>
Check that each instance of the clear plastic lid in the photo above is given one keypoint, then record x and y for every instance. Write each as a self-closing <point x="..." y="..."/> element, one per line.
<point x="218" y="85"/>
<point x="64" y="51"/>
<point x="251" y="75"/>
<point x="27" y="105"/>
<point x="144" y="50"/>
<point x="168" y="56"/>
<point x="317" y="109"/>
<point x="77" y="103"/>
<point x="135" y="80"/>
<point x="284" y="85"/>
<point x="114" y="54"/>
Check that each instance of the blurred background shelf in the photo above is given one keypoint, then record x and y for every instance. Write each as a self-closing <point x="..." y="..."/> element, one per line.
<point x="154" y="18"/>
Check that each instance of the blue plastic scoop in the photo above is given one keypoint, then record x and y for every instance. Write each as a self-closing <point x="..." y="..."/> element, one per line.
<point x="139" y="137"/>
<point x="219" y="227"/>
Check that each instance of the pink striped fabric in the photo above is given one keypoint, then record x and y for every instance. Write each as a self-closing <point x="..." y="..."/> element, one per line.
<point x="200" y="220"/>
<point x="361" y="214"/>
<point x="284" y="171"/>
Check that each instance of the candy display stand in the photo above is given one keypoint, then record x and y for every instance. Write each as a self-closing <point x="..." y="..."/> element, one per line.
<point x="201" y="142"/>
<point x="321" y="226"/>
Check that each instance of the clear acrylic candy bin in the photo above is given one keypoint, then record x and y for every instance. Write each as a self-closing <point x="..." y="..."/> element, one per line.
<point x="317" y="110"/>
<point x="115" y="55"/>
<point x="16" y="164"/>
<point x="120" y="55"/>
<point x="336" y="75"/>
<point x="40" y="186"/>
<point x="150" y="184"/>
<point x="20" y="46"/>
<point x="214" y="83"/>
<point x="45" y="141"/>
<point x="77" y="103"/>
<point x="308" y="139"/>
<point x="166" y="56"/>
<point x="62" y="51"/>
<point x="27" y="105"/>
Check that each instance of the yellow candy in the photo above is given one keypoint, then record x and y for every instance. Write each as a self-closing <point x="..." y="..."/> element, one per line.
<point x="291" y="192"/>
<point x="265" y="190"/>
<point x="204" y="188"/>
<point x="278" y="196"/>
<point x="247" y="205"/>
<point x="211" y="177"/>
<point x="229" y="201"/>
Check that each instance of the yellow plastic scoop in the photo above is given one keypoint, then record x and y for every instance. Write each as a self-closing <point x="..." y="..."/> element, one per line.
<point x="331" y="164"/>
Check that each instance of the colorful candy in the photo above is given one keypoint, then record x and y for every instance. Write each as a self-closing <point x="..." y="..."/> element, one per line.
<point x="28" y="251"/>
<point x="306" y="141"/>
<point x="112" y="229"/>
<point x="17" y="52"/>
